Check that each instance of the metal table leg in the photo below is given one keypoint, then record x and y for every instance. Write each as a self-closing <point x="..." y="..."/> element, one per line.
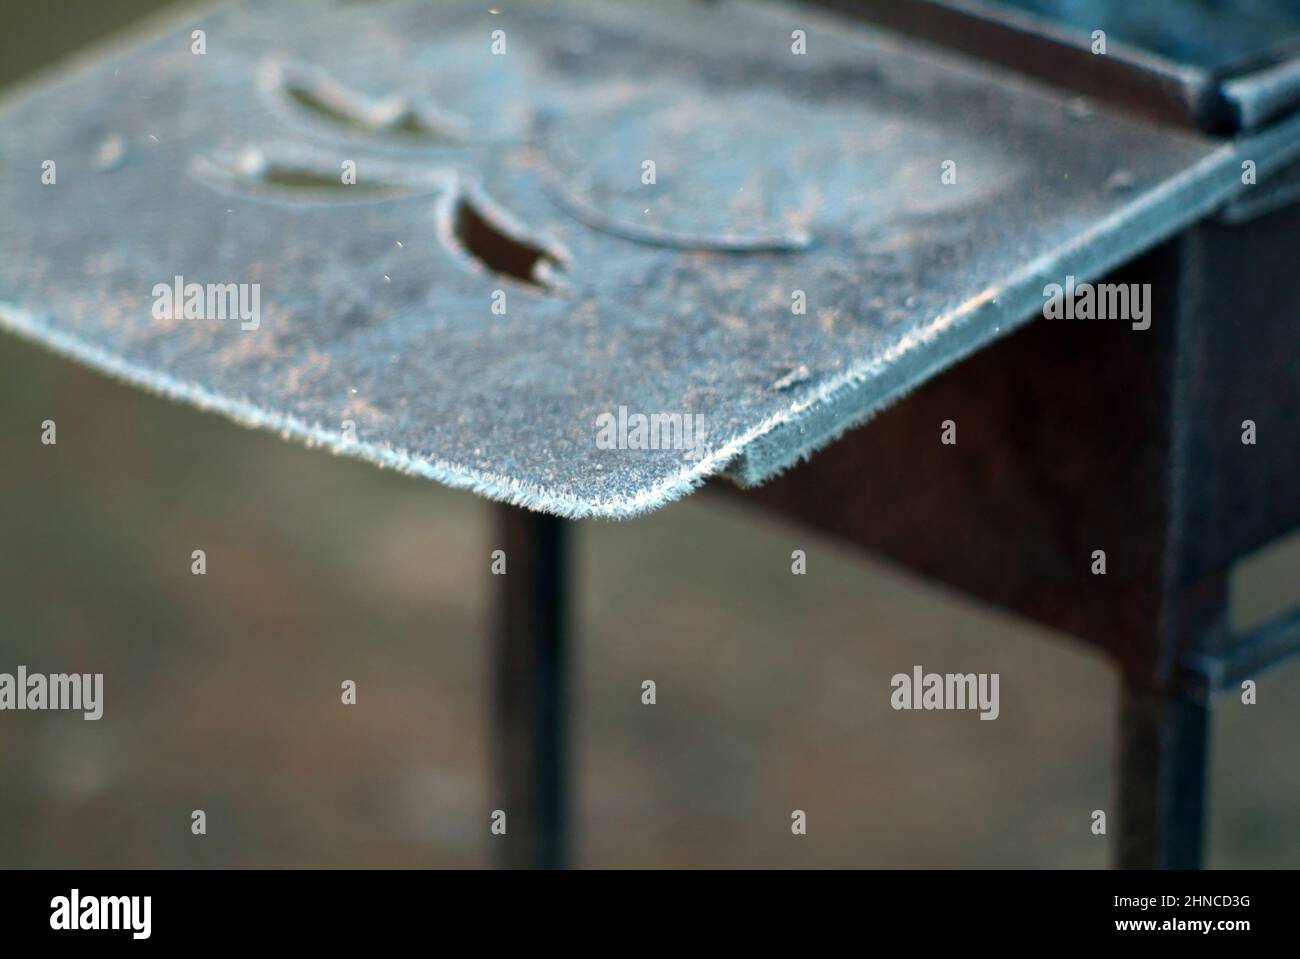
<point x="529" y="663"/>
<point x="1163" y="756"/>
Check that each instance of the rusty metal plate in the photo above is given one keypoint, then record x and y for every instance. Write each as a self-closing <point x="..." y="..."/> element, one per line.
<point x="504" y="151"/>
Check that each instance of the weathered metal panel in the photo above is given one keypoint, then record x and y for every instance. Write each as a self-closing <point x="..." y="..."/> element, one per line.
<point x="522" y="172"/>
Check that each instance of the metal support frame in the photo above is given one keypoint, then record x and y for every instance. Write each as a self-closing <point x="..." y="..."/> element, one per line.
<point x="1082" y="437"/>
<point x="1164" y="741"/>
<point x="1250" y="654"/>
<point x="529" y="664"/>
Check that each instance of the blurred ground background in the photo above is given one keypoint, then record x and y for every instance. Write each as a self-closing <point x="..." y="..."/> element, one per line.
<point x="222" y="691"/>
